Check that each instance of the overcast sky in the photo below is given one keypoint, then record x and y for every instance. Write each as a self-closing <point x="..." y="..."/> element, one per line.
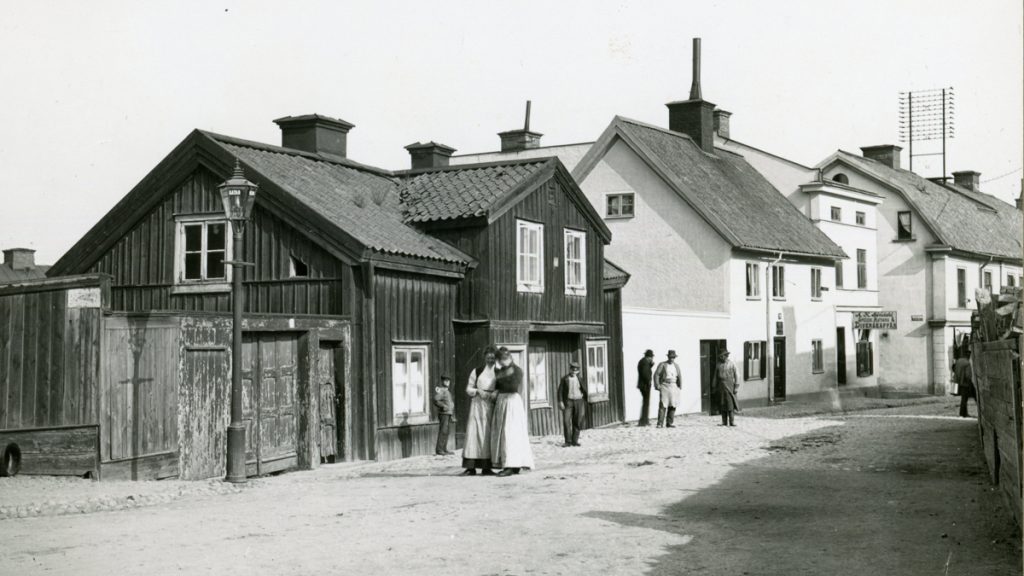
<point x="94" y="94"/>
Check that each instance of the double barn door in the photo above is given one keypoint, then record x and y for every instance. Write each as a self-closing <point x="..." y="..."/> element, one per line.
<point x="269" y="366"/>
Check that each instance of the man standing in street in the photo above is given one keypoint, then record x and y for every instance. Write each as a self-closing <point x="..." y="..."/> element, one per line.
<point x="963" y="375"/>
<point x="644" y="375"/>
<point x="669" y="381"/>
<point x="572" y="401"/>
<point x="727" y="385"/>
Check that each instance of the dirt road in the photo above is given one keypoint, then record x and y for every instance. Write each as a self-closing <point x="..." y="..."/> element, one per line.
<point x="898" y="491"/>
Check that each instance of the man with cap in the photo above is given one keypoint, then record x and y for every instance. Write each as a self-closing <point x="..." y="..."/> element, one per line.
<point x="644" y="375"/>
<point x="727" y="384"/>
<point x="572" y="401"/>
<point x="668" y="378"/>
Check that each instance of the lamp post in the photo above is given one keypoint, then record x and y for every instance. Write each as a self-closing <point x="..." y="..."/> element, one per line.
<point x="238" y="196"/>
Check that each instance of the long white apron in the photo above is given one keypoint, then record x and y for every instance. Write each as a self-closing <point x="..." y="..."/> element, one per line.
<point x="478" y="426"/>
<point x="510" y="436"/>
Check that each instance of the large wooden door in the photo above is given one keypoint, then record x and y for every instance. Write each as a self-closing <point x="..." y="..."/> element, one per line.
<point x="329" y="397"/>
<point x="268" y="401"/>
<point x="780" y="369"/>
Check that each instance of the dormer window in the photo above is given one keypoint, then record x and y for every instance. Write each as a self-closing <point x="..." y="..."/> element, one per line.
<point x="840" y="178"/>
<point x="836" y="213"/>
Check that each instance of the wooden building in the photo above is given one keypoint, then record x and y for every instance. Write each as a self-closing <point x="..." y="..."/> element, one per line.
<point x="356" y="305"/>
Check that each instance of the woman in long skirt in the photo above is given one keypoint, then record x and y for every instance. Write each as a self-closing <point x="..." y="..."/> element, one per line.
<point x="510" y="439"/>
<point x="477" y="451"/>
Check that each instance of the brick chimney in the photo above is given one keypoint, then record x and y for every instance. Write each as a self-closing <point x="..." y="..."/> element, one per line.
<point x="694" y="117"/>
<point x="20" y="258"/>
<point x="722" y="123"/>
<point x="315" y="133"/>
<point x="967" y="179"/>
<point x="429" y="155"/>
<point x="888" y="154"/>
<point x="515" y="140"/>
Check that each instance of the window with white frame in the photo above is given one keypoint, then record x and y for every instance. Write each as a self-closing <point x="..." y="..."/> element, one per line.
<point x="862" y="268"/>
<point x="753" y="360"/>
<point x="753" y="280"/>
<point x="619" y="205"/>
<point x="575" y="262"/>
<point x="778" y="281"/>
<point x="529" y="256"/>
<point x="409" y="379"/>
<point x="816" y="283"/>
<point x="836" y="213"/>
<point x="986" y="280"/>
<point x="597" y="370"/>
<point x="1011" y="281"/>
<point x="961" y="288"/>
<point x="538" y="375"/>
<point x="817" y="357"/>
<point x="202" y="244"/>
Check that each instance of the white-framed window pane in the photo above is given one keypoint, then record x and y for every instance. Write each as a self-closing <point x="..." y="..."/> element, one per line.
<point x="575" y="261"/>
<point x="627" y="205"/>
<point x="409" y="381"/>
<point x="530" y="249"/>
<point x="753" y="280"/>
<point x="597" y="372"/>
<point x="538" y="377"/>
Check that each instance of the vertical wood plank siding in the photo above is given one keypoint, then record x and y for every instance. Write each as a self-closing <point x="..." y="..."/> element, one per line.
<point x="613" y="410"/>
<point x="49" y="361"/>
<point x="411" y="308"/>
<point x="142" y="262"/>
<point x="204" y="405"/>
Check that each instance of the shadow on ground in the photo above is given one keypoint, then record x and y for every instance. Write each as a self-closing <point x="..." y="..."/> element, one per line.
<point x="875" y="496"/>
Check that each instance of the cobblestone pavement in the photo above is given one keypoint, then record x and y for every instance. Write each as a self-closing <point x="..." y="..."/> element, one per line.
<point x="890" y="491"/>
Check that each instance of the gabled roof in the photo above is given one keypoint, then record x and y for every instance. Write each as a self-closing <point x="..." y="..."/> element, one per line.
<point x="487" y="190"/>
<point x="8" y="274"/>
<point x="960" y="218"/>
<point x="613" y="276"/>
<point x="723" y="188"/>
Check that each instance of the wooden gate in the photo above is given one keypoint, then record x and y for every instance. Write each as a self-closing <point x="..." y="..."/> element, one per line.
<point x="269" y="362"/>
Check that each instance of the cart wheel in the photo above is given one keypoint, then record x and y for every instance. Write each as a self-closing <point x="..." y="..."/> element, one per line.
<point x="11" y="462"/>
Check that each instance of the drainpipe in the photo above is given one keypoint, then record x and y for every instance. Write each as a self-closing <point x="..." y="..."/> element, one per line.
<point x="768" y="341"/>
<point x="981" y="273"/>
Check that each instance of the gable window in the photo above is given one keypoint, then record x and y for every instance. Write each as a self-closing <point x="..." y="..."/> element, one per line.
<point x="986" y="280"/>
<point x="961" y="288"/>
<point x="862" y="268"/>
<point x="839" y="274"/>
<point x="297" y="268"/>
<point x="860" y="218"/>
<point x="904" y="226"/>
<point x="837" y="214"/>
<point x="778" y="281"/>
<point x="817" y="357"/>
<point x="409" y="378"/>
<point x="529" y="256"/>
<point x="841" y="178"/>
<point x="619" y="205"/>
<point x="202" y="244"/>
<point x="753" y="280"/>
<point x="753" y="360"/>
<point x="816" y="283"/>
<point x="597" y="370"/>
<point x="575" y="262"/>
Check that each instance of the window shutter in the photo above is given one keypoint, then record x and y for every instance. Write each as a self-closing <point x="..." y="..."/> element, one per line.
<point x="746" y="360"/>
<point x="764" y="358"/>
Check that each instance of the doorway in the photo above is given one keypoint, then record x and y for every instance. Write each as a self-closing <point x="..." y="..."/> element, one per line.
<point x="331" y="388"/>
<point x="709" y="350"/>
<point x="779" y="393"/>
<point x="841" y="355"/>
<point x="269" y="362"/>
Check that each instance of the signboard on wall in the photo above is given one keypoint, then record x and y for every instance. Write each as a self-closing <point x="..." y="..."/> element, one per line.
<point x="881" y="320"/>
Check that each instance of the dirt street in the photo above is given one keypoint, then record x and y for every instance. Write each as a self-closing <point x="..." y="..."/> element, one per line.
<point x="886" y="491"/>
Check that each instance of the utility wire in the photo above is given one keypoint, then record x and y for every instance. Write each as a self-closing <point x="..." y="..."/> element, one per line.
<point x="1018" y="169"/>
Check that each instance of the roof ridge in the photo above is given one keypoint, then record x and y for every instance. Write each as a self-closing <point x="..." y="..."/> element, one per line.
<point x="681" y="135"/>
<point x="329" y="158"/>
<point x="475" y="166"/>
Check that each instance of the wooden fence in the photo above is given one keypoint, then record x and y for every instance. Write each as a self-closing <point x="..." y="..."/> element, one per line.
<point x="997" y="379"/>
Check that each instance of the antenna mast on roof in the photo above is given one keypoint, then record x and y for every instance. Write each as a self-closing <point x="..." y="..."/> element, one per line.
<point x="927" y="115"/>
<point x="526" y="125"/>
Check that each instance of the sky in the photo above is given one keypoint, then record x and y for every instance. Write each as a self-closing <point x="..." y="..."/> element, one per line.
<point x="94" y="94"/>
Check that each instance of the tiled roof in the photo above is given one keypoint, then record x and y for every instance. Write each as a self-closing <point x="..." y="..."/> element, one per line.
<point x="361" y="202"/>
<point x="961" y="218"/>
<point x="612" y="272"/>
<point x="8" y="274"/>
<point x="463" y="191"/>
<point x="732" y="195"/>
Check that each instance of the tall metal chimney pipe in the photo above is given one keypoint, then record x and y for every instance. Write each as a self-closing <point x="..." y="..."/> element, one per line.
<point x="695" y="87"/>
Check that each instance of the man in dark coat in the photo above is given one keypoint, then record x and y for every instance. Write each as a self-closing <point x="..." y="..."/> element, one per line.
<point x="644" y="376"/>
<point x="572" y="401"/>
<point x="963" y="375"/>
<point x="727" y="385"/>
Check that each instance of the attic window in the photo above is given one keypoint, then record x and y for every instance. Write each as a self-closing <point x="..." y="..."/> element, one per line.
<point x="298" y="268"/>
<point x="201" y="245"/>
<point x="840" y="178"/>
<point x="620" y="205"/>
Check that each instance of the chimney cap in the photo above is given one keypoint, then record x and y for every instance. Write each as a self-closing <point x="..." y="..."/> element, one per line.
<point x="314" y="119"/>
<point x="966" y="173"/>
<point x="431" y="145"/>
<point x="866" y="149"/>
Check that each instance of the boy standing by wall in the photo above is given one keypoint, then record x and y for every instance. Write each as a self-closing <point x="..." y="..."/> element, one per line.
<point x="445" y="408"/>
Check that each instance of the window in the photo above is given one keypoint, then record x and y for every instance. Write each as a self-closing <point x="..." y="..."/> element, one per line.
<point x="904" y="226"/>
<point x="778" y="281"/>
<point x="839" y="274"/>
<point x="1010" y="281"/>
<point x="753" y="360"/>
<point x="597" y="370"/>
<point x="986" y="281"/>
<point x="837" y="214"/>
<point x="202" y="245"/>
<point x="865" y="354"/>
<point x="862" y="268"/>
<point x="861" y="218"/>
<point x="841" y="178"/>
<point x="817" y="357"/>
<point x="409" y="378"/>
<point x="816" y="283"/>
<point x="575" y="262"/>
<point x="619" y="205"/>
<point x="961" y="288"/>
<point x="530" y="256"/>
<point x="753" y="280"/>
<point x="538" y="375"/>
<point x="297" y="268"/>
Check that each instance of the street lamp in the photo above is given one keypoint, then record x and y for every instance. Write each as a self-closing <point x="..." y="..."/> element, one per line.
<point x="238" y="195"/>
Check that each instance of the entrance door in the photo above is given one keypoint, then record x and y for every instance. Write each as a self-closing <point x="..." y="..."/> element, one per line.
<point x="841" y="354"/>
<point x="709" y="350"/>
<point x="329" y="402"/>
<point x="780" y="369"/>
<point x="268" y="401"/>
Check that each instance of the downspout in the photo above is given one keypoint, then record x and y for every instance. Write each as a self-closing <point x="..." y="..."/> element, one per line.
<point x="981" y="273"/>
<point x="768" y="342"/>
